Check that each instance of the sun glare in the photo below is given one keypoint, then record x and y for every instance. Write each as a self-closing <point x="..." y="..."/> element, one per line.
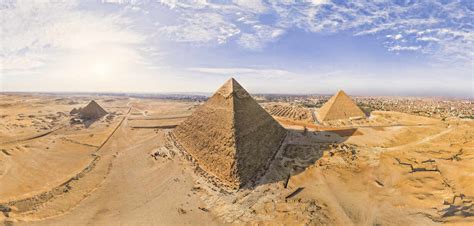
<point x="101" y="69"/>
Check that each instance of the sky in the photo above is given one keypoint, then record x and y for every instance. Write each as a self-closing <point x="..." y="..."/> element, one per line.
<point x="399" y="47"/>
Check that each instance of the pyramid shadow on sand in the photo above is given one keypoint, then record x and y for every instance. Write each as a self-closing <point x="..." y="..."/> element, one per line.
<point x="88" y="122"/>
<point x="295" y="157"/>
<point x="89" y="114"/>
<point x="232" y="138"/>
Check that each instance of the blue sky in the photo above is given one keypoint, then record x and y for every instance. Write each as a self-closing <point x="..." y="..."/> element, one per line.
<point x="307" y="46"/>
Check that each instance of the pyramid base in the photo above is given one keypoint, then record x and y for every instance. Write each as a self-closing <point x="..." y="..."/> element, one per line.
<point x="211" y="178"/>
<point x="215" y="180"/>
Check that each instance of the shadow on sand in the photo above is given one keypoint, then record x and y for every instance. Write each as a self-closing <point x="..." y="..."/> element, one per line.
<point x="88" y="122"/>
<point x="300" y="150"/>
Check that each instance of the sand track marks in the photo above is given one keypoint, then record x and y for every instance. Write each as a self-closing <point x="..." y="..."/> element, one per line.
<point x="76" y="142"/>
<point x="421" y="141"/>
<point x="33" y="137"/>
<point x="54" y="202"/>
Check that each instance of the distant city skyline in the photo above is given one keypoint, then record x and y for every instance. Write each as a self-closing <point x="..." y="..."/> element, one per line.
<point x="379" y="48"/>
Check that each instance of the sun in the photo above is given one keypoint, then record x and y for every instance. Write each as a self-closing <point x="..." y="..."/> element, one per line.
<point x="101" y="69"/>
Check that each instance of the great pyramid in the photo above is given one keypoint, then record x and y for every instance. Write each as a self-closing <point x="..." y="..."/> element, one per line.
<point x="92" y="111"/>
<point x="231" y="136"/>
<point x="340" y="106"/>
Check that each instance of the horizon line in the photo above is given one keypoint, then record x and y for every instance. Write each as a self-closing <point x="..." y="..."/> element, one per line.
<point x="207" y="94"/>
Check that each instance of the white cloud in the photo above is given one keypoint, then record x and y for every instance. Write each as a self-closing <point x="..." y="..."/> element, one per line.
<point x="22" y="63"/>
<point x="260" y="37"/>
<point x="398" y="36"/>
<point x="202" y="28"/>
<point x="428" y="39"/>
<point x="205" y="22"/>
<point x="256" y="6"/>
<point x="236" y="71"/>
<point x="319" y="2"/>
<point x="37" y="33"/>
<point x="403" y="23"/>
<point x="63" y="40"/>
<point x="400" y="48"/>
<point x="67" y="48"/>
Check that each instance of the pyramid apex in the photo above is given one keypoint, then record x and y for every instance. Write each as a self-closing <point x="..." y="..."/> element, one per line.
<point x="232" y="82"/>
<point x="232" y="87"/>
<point x="231" y="136"/>
<point x="92" y="111"/>
<point x="340" y="92"/>
<point x="339" y="106"/>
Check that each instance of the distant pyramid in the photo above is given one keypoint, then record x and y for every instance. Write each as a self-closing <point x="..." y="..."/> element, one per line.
<point x="92" y="111"/>
<point x="231" y="136"/>
<point x="340" y="106"/>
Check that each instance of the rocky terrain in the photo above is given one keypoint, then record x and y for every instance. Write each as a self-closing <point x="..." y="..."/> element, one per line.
<point x="289" y="111"/>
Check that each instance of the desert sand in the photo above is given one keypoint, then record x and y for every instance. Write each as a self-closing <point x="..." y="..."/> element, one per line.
<point x="127" y="167"/>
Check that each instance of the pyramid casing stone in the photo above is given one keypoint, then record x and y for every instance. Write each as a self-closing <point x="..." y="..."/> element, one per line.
<point x="340" y="106"/>
<point x="92" y="111"/>
<point x="231" y="136"/>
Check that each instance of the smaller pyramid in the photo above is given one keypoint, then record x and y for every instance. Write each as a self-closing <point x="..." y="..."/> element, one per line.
<point x="340" y="106"/>
<point x="92" y="111"/>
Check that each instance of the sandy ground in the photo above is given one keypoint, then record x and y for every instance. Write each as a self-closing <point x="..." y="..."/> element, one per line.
<point x="389" y="169"/>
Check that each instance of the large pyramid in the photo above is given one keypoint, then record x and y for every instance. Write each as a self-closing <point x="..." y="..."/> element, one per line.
<point x="92" y="111"/>
<point x="340" y="106"/>
<point x="231" y="136"/>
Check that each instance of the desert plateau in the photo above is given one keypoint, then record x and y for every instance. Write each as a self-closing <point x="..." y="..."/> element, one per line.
<point x="237" y="112"/>
<point x="129" y="166"/>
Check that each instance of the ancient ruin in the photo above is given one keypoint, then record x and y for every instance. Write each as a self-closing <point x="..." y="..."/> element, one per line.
<point x="340" y="106"/>
<point x="92" y="111"/>
<point x="231" y="136"/>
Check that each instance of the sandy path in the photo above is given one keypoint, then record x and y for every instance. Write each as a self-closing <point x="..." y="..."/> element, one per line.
<point x="25" y="205"/>
<point x="18" y="140"/>
<point x="138" y="189"/>
<point x="424" y="140"/>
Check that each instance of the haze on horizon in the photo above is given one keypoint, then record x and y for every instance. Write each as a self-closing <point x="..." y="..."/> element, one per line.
<point x="417" y="48"/>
